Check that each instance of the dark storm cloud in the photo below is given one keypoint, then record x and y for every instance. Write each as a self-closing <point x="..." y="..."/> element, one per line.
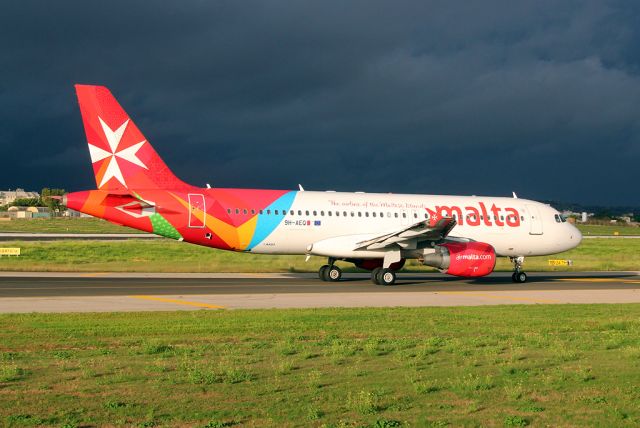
<point x="432" y="97"/>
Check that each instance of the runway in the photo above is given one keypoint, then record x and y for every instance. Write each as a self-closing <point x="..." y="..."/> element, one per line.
<point x="99" y="292"/>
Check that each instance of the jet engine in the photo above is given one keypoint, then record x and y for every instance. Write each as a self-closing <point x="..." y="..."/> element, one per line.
<point x="469" y="259"/>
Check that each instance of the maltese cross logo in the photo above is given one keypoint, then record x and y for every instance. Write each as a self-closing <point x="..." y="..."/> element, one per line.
<point x="129" y="154"/>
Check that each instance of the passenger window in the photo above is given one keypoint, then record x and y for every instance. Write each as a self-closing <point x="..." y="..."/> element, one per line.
<point x="244" y="212"/>
<point x="404" y="215"/>
<point x="395" y="215"/>
<point x="299" y="212"/>
<point x="352" y="214"/>
<point x="359" y="214"/>
<point x="344" y="213"/>
<point x="291" y="212"/>
<point x="522" y="218"/>
<point x="374" y="213"/>
<point x="276" y="212"/>
<point x="237" y="211"/>
<point x="381" y="214"/>
<point x="329" y="213"/>
<point x="261" y="211"/>
<point x="366" y="213"/>
<point x="315" y="213"/>
<point x="321" y="212"/>
<point x="306" y="212"/>
<point x="268" y="212"/>
<point x="228" y="210"/>
<point x="415" y="215"/>
<point x="337" y="213"/>
<point x="253" y="212"/>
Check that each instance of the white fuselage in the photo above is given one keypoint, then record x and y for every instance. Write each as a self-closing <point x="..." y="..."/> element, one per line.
<point x="514" y="227"/>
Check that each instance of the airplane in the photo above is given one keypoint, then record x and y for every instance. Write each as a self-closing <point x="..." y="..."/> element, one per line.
<point x="458" y="235"/>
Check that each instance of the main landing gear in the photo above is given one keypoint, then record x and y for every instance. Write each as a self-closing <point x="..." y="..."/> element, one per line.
<point x="330" y="272"/>
<point x="383" y="276"/>
<point x="518" y="275"/>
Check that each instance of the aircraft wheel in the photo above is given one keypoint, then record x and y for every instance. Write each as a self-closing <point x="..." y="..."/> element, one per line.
<point x="374" y="275"/>
<point x="333" y="273"/>
<point x="513" y="277"/>
<point x="386" y="277"/>
<point x="322" y="272"/>
<point x="520" y="277"/>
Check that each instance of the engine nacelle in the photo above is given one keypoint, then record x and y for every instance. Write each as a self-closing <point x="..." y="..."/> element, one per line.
<point x="469" y="259"/>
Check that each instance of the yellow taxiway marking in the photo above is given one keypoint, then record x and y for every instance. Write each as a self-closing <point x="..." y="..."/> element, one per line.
<point x="625" y="281"/>
<point x="179" y="302"/>
<point x="500" y="297"/>
<point x="92" y="275"/>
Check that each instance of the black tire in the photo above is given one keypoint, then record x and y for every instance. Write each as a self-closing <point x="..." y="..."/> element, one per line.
<point x="374" y="275"/>
<point x="322" y="272"/>
<point x="333" y="273"/>
<point x="521" y="277"/>
<point x="386" y="277"/>
<point x="513" y="277"/>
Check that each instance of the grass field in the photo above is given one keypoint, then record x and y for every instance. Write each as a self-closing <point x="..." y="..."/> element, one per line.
<point x="542" y="365"/>
<point x="609" y="230"/>
<point x="172" y="256"/>
<point x="95" y="225"/>
<point x="64" y="225"/>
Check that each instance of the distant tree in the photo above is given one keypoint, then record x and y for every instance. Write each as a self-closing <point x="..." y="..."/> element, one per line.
<point x="4" y="207"/>
<point x="25" y="202"/>
<point x="46" y="199"/>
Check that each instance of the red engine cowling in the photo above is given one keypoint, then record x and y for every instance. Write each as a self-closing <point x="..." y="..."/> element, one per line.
<point x="469" y="259"/>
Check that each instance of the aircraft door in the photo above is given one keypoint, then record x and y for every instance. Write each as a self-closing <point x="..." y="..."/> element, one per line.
<point x="197" y="211"/>
<point x="535" y="220"/>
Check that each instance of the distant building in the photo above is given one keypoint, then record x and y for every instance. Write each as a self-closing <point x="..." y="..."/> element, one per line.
<point x="29" y="212"/>
<point x="73" y="213"/>
<point x="9" y="196"/>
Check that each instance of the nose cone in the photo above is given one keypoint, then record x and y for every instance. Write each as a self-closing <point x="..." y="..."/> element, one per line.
<point x="574" y="237"/>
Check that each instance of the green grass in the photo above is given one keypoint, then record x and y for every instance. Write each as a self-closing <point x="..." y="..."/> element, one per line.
<point x="64" y="225"/>
<point x="172" y="256"/>
<point x="542" y="365"/>
<point x="608" y="230"/>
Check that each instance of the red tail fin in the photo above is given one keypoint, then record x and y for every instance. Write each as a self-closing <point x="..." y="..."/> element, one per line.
<point x="122" y="157"/>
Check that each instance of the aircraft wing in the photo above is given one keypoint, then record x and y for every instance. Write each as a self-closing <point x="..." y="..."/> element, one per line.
<point x="427" y="230"/>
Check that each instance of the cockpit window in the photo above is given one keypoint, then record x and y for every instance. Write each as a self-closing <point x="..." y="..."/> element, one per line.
<point x="558" y="219"/>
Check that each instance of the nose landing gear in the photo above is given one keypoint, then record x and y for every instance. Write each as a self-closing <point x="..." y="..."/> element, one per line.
<point x="518" y="275"/>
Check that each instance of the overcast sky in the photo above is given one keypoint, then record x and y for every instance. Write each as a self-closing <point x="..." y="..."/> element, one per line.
<point x="540" y="97"/>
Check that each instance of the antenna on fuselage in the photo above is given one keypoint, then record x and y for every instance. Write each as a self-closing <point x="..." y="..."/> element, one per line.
<point x="514" y="195"/>
<point x="208" y="186"/>
<point x="300" y="187"/>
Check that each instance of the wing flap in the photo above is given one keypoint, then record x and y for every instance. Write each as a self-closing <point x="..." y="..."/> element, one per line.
<point x="427" y="230"/>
